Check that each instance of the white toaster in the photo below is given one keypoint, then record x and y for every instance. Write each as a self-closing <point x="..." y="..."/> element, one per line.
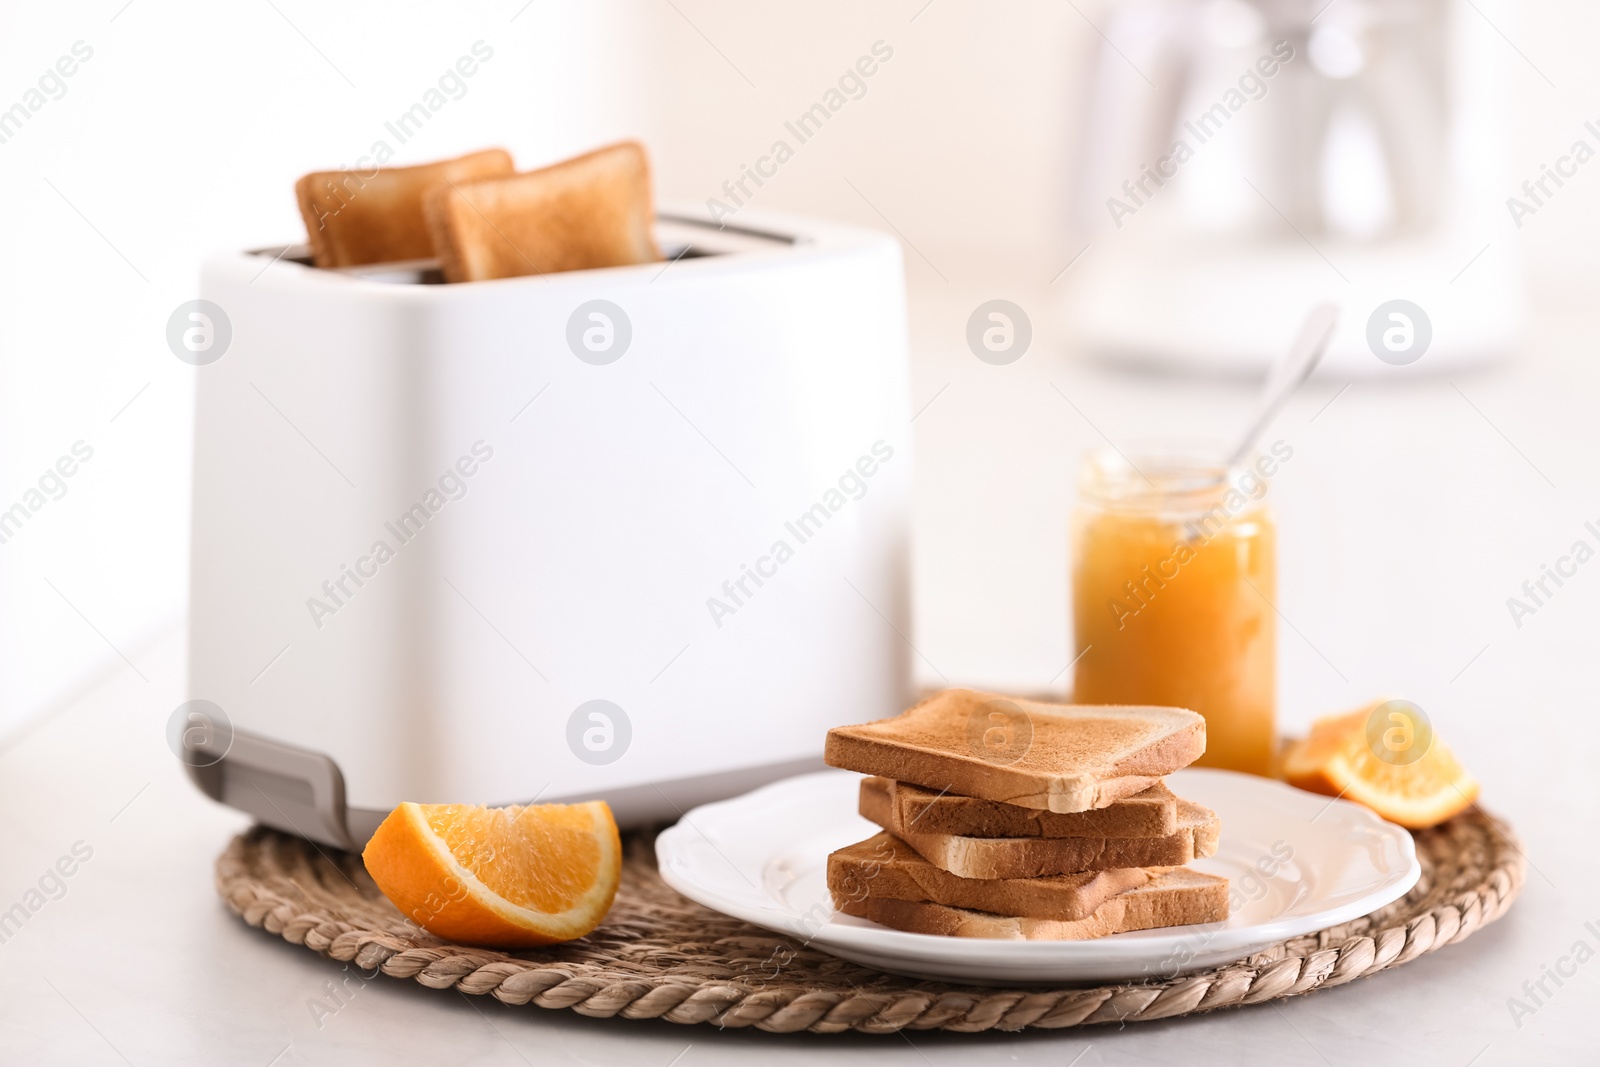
<point x="637" y="534"/>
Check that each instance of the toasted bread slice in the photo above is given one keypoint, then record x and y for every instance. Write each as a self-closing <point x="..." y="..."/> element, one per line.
<point x="591" y="211"/>
<point x="354" y="217"/>
<point x="1177" y="898"/>
<point x="888" y="869"/>
<point x="1060" y="758"/>
<point x="899" y="807"/>
<point x="1041" y="857"/>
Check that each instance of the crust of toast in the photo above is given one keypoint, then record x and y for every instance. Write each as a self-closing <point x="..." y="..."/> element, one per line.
<point x="591" y="211"/>
<point x="1040" y="857"/>
<point x="1179" y="897"/>
<point x="1059" y="758"/>
<point x="901" y="807"/>
<point x="888" y="869"/>
<point x="353" y="217"/>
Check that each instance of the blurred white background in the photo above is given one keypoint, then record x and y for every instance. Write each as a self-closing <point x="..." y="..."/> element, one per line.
<point x="185" y="130"/>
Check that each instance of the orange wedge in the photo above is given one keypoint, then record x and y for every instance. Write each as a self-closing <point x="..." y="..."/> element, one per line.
<point x="1386" y="757"/>
<point x="504" y="877"/>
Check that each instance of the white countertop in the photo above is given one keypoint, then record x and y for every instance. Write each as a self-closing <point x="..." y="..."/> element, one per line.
<point x="1410" y="512"/>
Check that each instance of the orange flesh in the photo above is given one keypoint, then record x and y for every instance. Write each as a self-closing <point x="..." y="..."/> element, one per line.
<point x="1198" y="635"/>
<point x="543" y="862"/>
<point x="515" y="877"/>
<point x="1338" y="760"/>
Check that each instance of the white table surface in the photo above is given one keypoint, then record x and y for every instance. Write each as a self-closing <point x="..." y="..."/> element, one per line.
<point x="1412" y="509"/>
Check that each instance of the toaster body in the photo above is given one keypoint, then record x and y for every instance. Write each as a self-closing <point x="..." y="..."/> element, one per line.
<point x="637" y="534"/>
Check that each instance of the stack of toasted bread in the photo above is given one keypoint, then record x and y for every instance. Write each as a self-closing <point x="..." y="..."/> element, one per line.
<point x="1008" y="818"/>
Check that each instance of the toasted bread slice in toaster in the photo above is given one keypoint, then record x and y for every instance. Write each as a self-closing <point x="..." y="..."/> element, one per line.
<point x="591" y="211"/>
<point x="354" y="217"/>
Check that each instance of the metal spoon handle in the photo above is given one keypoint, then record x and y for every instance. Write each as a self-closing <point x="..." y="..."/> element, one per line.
<point x="1287" y="374"/>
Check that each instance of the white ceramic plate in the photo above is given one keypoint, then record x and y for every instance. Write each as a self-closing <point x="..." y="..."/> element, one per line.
<point x="1296" y="863"/>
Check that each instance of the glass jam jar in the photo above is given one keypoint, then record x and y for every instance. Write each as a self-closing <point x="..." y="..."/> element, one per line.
<point x="1174" y="578"/>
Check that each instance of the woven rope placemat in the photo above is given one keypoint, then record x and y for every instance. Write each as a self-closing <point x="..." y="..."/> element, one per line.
<point x="660" y="955"/>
